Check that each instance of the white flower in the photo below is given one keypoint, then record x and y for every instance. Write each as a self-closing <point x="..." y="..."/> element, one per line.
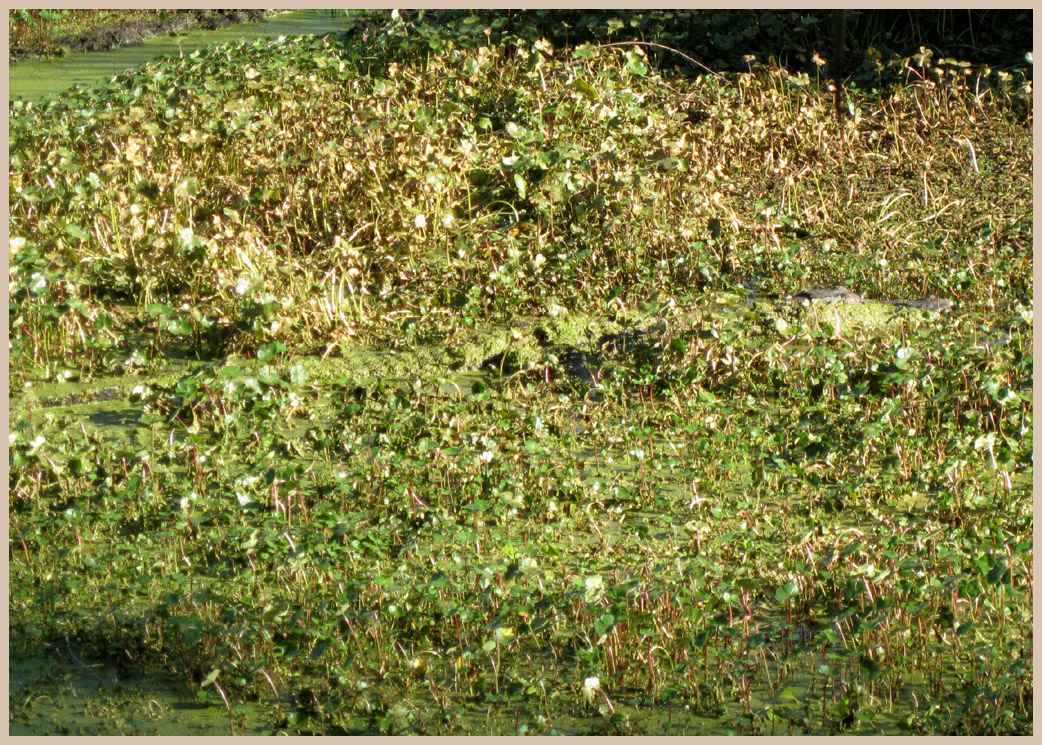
<point x="590" y="686"/>
<point x="421" y="221"/>
<point x="594" y="589"/>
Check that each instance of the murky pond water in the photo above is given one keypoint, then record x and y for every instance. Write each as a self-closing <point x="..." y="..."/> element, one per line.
<point x="56" y="692"/>
<point x="33" y="80"/>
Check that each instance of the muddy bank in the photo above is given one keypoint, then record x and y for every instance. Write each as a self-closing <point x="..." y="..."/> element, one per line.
<point x="111" y="36"/>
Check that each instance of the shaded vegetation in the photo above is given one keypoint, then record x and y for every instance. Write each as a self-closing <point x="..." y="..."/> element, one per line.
<point x="722" y="39"/>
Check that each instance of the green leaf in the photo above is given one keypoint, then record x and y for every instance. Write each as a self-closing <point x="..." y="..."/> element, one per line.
<point x="319" y="650"/>
<point x="187" y="387"/>
<point x="789" y="693"/>
<point x="585" y="89"/>
<point x="635" y="64"/>
<point x="76" y="232"/>
<point x="191" y="636"/>
<point x="298" y="375"/>
<point x="148" y="189"/>
<point x="180" y="326"/>
<point x="522" y="187"/>
<point x="999" y="575"/>
<point x="268" y="352"/>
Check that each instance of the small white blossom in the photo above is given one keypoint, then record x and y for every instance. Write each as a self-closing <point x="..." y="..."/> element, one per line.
<point x="590" y="686"/>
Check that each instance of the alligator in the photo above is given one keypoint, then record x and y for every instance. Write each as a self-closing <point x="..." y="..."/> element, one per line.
<point x="928" y="302"/>
<point x="831" y="295"/>
<point x="580" y="364"/>
<point x="840" y="294"/>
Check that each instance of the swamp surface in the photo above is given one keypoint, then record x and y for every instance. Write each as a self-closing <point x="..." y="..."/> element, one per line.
<point x="429" y="379"/>
<point x="34" y="79"/>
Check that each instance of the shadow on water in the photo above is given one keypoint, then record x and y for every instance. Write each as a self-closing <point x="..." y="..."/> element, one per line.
<point x="121" y="418"/>
<point x="55" y="691"/>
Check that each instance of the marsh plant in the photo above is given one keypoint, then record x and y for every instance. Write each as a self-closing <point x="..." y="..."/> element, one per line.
<point x="740" y="522"/>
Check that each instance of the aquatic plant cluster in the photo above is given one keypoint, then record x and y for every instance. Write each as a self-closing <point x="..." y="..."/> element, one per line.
<point x="758" y="519"/>
<point x="57" y="32"/>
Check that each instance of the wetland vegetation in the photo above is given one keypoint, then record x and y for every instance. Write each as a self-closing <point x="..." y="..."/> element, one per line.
<point x="36" y="33"/>
<point x="442" y="377"/>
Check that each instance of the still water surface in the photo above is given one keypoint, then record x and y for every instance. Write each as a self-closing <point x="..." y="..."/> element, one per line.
<point x="33" y="80"/>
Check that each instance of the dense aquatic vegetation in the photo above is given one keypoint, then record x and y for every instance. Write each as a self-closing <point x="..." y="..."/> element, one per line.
<point x="290" y="418"/>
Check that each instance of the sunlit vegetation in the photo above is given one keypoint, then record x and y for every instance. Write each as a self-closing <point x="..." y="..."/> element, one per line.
<point x="731" y="514"/>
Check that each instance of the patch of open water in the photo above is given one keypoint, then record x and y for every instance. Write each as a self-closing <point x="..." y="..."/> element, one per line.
<point x="33" y="80"/>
